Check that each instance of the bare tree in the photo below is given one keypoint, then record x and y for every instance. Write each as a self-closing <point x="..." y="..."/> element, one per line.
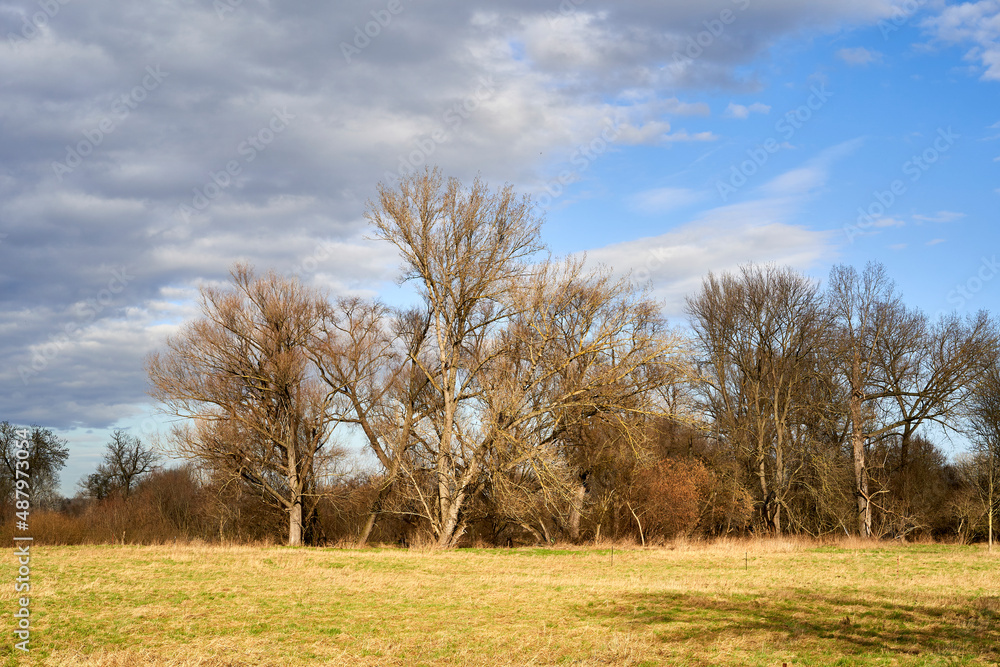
<point x="985" y="429"/>
<point x="934" y="382"/>
<point x="585" y="353"/>
<point x="365" y="353"/>
<point x="126" y="462"/>
<point x="46" y="455"/>
<point x="759" y="334"/>
<point x="865" y="310"/>
<point x="244" y="374"/>
<point x="900" y="371"/>
<point x="508" y="354"/>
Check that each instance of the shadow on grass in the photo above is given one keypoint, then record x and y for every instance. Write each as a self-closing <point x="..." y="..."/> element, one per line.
<point x="823" y="623"/>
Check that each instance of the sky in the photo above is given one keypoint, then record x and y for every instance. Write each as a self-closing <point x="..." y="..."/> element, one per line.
<point x="146" y="148"/>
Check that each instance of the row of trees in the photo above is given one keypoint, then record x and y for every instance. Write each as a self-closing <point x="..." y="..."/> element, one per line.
<point x="520" y="389"/>
<point x="487" y="390"/>
<point x="793" y="377"/>
<point x="529" y="399"/>
<point x="686" y="483"/>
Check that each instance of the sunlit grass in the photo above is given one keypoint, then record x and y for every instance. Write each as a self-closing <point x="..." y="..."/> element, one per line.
<point x="763" y="602"/>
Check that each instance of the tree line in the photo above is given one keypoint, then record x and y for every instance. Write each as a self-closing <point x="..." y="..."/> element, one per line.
<point x="527" y="399"/>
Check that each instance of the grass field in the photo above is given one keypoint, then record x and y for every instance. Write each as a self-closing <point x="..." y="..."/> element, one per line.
<point x="756" y="603"/>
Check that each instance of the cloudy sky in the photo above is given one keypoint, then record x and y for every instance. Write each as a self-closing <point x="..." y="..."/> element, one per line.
<point x="145" y="148"/>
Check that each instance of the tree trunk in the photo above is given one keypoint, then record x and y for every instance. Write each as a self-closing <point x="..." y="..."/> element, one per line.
<point x="383" y="493"/>
<point x="295" y="524"/>
<point x="762" y="478"/>
<point x="904" y="459"/>
<point x="575" y="511"/>
<point x="367" y="530"/>
<point x="779" y="485"/>
<point x="991" y="479"/>
<point x="449" y="526"/>
<point x="860" y="471"/>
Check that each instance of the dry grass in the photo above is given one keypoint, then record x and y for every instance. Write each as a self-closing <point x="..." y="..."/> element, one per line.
<point x="732" y="602"/>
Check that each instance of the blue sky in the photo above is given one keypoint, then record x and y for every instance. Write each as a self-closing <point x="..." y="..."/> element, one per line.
<point x="666" y="139"/>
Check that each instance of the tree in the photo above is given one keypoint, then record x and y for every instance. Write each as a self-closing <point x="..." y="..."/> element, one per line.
<point x="759" y="334"/>
<point x="899" y="371"/>
<point x="126" y="462"/>
<point x="985" y="428"/>
<point x="244" y="374"/>
<point x="864" y="309"/>
<point x="505" y="356"/>
<point x="46" y="456"/>
<point x="365" y="353"/>
<point x="931" y="378"/>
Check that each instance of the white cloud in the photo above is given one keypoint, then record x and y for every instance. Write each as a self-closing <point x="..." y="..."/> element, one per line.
<point x="723" y="238"/>
<point x="889" y="222"/>
<point x="940" y="216"/>
<point x="414" y="90"/>
<point x="859" y="56"/>
<point x="812" y="174"/>
<point x="661" y="200"/>
<point x="720" y="240"/>
<point x="977" y="23"/>
<point x="740" y="111"/>
<point x="683" y="135"/>
<point x="934" y="241"/>
<point x="675" y="106"/>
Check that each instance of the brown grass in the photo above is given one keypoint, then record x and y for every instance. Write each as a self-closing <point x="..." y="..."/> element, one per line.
<point x="761" y="602"/>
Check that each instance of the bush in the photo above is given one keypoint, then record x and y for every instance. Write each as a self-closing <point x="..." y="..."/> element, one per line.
<point x="669" y="496"/>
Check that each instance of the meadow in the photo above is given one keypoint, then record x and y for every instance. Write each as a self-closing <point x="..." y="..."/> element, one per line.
<point x="765" y="602"/>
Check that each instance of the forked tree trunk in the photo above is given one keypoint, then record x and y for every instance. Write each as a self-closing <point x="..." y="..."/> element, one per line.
<point x="450" y="530"/>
